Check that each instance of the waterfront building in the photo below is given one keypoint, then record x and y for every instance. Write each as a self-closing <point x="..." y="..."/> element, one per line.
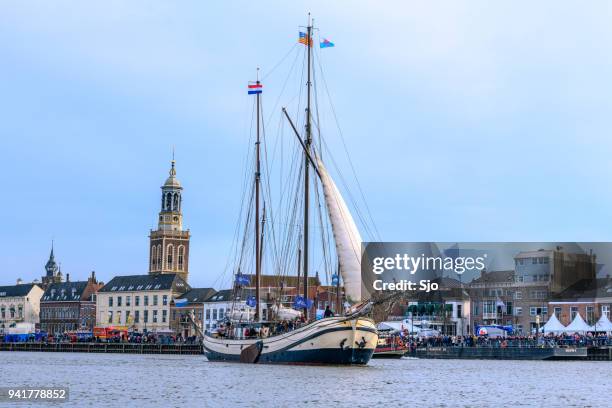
<point x="556" y="268"/>
<point x="70" y="305"/>
<point x="169" y="243"/>
<point x="19" y="304"/>
<point x="500" y="297"/>
<point x="190" y="304"/>
<point x="494" y="298"/>
<point x="53" y="274"/>
<point x="591" y="298"/>
<point x="140" y="302"/>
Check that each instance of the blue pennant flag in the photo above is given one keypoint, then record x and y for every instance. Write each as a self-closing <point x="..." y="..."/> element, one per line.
<point x="251" y="301"/>
<point x="242" y="280"/>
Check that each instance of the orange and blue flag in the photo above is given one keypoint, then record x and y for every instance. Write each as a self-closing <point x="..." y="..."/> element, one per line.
<point x="304" y="39"/>
<point x="255" y="88"/>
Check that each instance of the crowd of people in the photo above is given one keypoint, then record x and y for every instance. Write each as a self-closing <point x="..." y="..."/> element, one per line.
<point x="548" y="340"/>
<point x="137" y="338"/>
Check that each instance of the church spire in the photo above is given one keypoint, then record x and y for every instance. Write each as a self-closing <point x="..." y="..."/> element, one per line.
<point x="52" y="272"/>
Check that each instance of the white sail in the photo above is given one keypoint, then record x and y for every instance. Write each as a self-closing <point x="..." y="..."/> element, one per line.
<point x="346" y="236"/>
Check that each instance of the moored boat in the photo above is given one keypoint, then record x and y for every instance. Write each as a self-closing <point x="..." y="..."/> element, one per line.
<point x="390" y="345"/>
<point x="288" y="335"/>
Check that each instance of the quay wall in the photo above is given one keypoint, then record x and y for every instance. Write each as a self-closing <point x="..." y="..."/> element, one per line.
<point x="128" y="348"/>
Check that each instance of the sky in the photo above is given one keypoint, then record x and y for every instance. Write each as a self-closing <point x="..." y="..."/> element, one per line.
<point x="465" y="121"/>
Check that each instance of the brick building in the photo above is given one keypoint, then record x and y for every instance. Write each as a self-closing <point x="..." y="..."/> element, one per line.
<point x="68" y="306"/>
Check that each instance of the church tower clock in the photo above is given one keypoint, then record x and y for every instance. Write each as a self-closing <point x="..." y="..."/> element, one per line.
<point x="169" y="243"/>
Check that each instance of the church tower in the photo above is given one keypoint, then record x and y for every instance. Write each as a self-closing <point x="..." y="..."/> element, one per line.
<point x="53" y="273"/>
<point x="169" y="243"/>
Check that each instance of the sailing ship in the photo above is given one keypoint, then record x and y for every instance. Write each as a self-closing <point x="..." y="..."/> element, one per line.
<point x="348" y="338"/>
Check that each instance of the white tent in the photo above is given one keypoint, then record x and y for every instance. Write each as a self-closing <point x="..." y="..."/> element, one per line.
<point x="603" y="324"/>
<point x="396" y="325"/>
<point x="578" y="325"/>
<point x="553" y="325"/>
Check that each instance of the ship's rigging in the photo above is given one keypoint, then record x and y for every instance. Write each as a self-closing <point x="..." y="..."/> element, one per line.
<point x="297" y="236"/>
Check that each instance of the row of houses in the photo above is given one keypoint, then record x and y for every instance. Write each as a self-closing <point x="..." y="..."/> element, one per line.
<point x="542" y="283"/>
<point x="157" y="303"/>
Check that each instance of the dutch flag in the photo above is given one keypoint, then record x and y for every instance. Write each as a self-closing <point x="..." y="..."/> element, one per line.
<point x="255" y="89"/>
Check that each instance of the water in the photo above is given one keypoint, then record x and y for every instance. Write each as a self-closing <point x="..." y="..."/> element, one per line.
<point x="126" y="380"/>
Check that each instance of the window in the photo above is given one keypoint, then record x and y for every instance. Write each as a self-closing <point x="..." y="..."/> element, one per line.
<point x="137" y="300"/>
<point x="605" y="311"/>
<point x="164" y="316"/>
<point x="3" y="312"/>
<point x="137" y="316"/>
<point x="146" y="316"/>
<point x="154" y="300"/>
<point x="534" y="261"/>
<point x="181" y="256"/>
<point x="110" y="301"/>
<point x="590" y="314"/>
<point x="155" y="316"/>
<point x="221" y="313"/>
<point x="153" y="257"/>
<point x="488" y="306"/>
<point x="20" y="311"/>
<point x="110" y="317"/>
<point x="534" y="310"/>
<point x="128" y="300"/>
<point x="508" y="308"/>
<point x="538" y="294"/>
<point x="159" y="257"/>
<point x="127" y="317"/>
<point x="118" y="301"/>
<point x="146" y="300"/>
<point x="165" y="300"/>
<point x="573" y="312"/>
<point x="518" y="311"/>
<point x="557" y="312"/>
<point x="207" y="314"/>
<point x="170" y="257"/>
<point x="214" y="314"/>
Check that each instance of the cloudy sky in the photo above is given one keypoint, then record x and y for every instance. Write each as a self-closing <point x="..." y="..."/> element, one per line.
<point x="466" y="121"/>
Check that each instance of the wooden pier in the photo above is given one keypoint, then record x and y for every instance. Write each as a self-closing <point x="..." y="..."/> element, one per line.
<point x="127" y="348"/>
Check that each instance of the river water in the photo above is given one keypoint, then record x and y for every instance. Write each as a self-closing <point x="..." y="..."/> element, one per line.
<point x="125" y="380"/>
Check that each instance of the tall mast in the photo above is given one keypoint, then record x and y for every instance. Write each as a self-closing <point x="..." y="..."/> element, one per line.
<point x="257" y="229"/>
<point x="306" y="168"/>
